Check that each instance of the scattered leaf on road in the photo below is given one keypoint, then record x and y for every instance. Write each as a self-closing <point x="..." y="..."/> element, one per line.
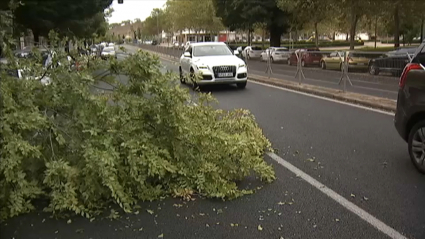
<point x="353" y="196"/>
<point x="79" y="230"/>
<point x="140" y="229"/>
<point x="281" y="203"/>
<point x="69" y="221"/>
<point x="260" y="228"/>
<point x="337" y="220"/>
<point x="207" y="225"/>
<point x="149" y="211"/>
<point x="161" y="236"/>
<point x="365" y="198"/>
<point x="310" y="159"/>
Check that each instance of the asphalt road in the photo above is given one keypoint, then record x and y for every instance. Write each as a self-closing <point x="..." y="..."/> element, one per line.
<point x="361" y="155"/>
<point x="355" y="152"/>
<point x="383" y="85"/>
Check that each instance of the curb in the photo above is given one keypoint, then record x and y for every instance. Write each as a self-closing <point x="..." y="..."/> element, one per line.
<point x="355" y="98"/>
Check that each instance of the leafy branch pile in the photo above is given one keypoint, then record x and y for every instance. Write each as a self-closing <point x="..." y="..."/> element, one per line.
<point x="81" y="149"/>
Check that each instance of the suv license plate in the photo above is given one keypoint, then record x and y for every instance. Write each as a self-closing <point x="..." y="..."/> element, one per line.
<point x="227" y="74"/>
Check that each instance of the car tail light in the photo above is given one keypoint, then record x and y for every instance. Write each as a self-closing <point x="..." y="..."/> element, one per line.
<point x="409" y="67"/>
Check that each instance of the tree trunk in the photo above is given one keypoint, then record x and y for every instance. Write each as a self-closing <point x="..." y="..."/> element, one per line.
<point x="404" y="42"/>
<point x="376" y="30"/>
<point x="422" y="30"/>
<point x="354" y="19"/>
<point x="333" y="36"/>
<point x="346" y="36"/>
<point x="36" y="37"/>
<point x="396" y="28"/>
<point x="263" y="39"/>
<point x="275" y="34"/>
<point x="316" y="34"/>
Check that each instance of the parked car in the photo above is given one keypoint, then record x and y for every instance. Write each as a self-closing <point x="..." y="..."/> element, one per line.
<point x="409" y="118"/>
<point x="23" y="74"/>
<point x="216" y="62"/>
<point x="392" y="62"/>
<point x="154" y="42"/>
<point x="108" y="52"/>
<point x="276" y="54"/>
<point x="356" y="60"/>
<point x="309" y="57"/>
<point x="332" y="61"/>
<point x="252" y="52"/>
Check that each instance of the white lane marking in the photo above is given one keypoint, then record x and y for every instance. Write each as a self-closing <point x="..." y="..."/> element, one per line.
<point x="324" y="98"/>
<point x="375" y="222"/>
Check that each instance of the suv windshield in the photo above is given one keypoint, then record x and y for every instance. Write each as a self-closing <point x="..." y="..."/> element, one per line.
<point x="211" y="50"/>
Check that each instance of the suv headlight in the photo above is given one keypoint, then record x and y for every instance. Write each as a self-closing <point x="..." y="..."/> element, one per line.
<point x="242" y="65"/>
<point x="202" y="67"/>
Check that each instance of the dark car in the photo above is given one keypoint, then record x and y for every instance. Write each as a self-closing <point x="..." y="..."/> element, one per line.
<point x="409" y="119"/>
<point x="154" y="42"/>
<point x="309" y="57"/>
<point x="392" y="62"/>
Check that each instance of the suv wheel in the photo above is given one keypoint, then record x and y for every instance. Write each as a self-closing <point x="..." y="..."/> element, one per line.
<point x="416" y="145"/>
<point x="241" y="85"/>
<point x="373" y="70"/>
<point x="193" y="80"/>
<point x="182" y="80"/>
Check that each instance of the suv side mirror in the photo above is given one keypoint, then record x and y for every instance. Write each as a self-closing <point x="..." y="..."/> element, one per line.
<point x="236" y="52"/>
<point x="187" y="54"/>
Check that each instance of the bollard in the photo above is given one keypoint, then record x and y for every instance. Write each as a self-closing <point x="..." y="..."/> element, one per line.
<point x="269" y="69"/>
<point x="344" y="71"/>
<point x="300" y="72"/>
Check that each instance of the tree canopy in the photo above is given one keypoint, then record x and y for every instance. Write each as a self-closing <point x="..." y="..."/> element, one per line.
<point x="41" y="16"/>
<point x="239" y="14"/>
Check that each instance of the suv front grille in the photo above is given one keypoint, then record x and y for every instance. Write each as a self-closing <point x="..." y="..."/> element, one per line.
<point x="224" y="69"/>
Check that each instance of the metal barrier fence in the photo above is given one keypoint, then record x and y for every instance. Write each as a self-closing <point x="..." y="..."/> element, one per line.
<point x="341" y="67"/>
<point x="361" y="65"/>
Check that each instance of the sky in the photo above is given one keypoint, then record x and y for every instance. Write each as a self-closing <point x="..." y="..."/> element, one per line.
<point x="132" y="9"/>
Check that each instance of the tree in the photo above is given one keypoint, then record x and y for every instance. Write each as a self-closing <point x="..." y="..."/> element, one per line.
<point x="81" y="150"/>
<point x="307" y="12"/>
<point x="41" y="16"/>
<point x="194" y="15"/>
<point x="239" y="14"/>
<point x="85" y="28"/>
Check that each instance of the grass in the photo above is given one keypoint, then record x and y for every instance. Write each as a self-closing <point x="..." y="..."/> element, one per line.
<point x="378" y="49"/>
